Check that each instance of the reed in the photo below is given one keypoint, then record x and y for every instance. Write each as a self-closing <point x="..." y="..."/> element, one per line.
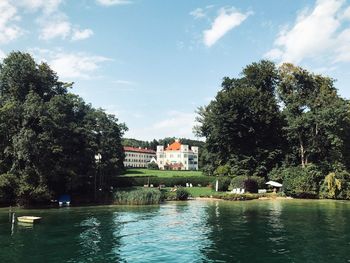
<point x="144" y="196"/>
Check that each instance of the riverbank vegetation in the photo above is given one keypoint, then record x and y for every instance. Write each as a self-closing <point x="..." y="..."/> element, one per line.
<point x="49" y="137"/>
<point x="285" y="124"/>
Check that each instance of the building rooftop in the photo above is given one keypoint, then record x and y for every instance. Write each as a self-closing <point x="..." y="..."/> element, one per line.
<point x="139" y="150"/>
<point x="175" y="146"/>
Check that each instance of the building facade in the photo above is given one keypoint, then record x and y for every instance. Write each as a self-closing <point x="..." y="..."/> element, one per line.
<point x="177" y="157"/>
<point x="138" y="157"/>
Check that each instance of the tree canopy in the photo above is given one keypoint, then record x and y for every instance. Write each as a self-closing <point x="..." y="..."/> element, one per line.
<point x="283" y="122"/>
<point x="49" y="137"/>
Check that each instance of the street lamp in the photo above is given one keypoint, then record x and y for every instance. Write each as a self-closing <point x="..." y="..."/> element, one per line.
<point x="98" y="158"/>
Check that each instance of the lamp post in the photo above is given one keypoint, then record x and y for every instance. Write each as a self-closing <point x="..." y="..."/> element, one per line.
<point x="98" y="158"/>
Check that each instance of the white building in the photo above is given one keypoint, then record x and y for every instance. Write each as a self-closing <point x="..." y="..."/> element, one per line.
<point x="177" y="157"/>
<point x="138" y="157"/>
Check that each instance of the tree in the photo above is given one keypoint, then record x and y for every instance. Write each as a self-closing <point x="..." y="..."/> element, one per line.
<point x="316" y="117"/>
<point x="49" y="137"/>
<point x="242" y="125"/>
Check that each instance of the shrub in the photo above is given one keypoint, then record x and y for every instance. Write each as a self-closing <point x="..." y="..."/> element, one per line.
<point x="260" y="181"/>
<point x="8" y="186"/>
<point x="223" y="170"/>
<point x="237" y="197"/>
<point x="299" y="182"/>
<point x="251" y="185"/>
<point x="336" y="185"/>
<point x="182" y="194"/>
<point x="152" y="166"/>
<point x="145" y="196"/>
<point x="224" y="184"/>
<point x="238" y="181"/>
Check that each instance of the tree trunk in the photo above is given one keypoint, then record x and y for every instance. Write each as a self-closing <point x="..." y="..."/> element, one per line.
<point x="302" y="152"/>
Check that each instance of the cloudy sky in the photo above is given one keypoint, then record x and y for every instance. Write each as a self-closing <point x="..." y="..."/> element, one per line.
<point x="153" y="62"/>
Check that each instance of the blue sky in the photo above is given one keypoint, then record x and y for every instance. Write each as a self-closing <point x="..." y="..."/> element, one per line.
<point x="152" y="63"/>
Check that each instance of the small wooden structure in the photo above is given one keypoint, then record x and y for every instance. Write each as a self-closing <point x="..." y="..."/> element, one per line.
<point x="29" y="219"/>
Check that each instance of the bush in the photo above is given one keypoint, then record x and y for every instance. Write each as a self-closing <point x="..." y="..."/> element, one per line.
<point x="182" y="194"/>
<point x="251" y="185"/>
<point x="8" y="186"/>
<point x="238" y="181"/>
<point x="237" y="197"/>
<point x="152" y="166"/>
<point x="260" y="181"/>
<point x="223" y="170"/>
<point x="299" y="182"/>
<point x="145" y="196"/>
<point x="224" y="184"/>
<point x="336" y="185"/>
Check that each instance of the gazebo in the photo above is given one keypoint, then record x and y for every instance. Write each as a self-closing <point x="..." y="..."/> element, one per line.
<point x="275" y="185"/>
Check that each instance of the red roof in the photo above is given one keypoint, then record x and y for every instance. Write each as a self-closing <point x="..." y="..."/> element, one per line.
<point x="139" y="150"/>
<point x="175" y="146"/>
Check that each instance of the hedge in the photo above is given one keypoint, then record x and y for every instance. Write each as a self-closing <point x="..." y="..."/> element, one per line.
<point x="156" y="181"/>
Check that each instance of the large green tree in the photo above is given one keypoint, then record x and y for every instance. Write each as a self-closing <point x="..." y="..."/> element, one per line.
<point x="317" y="118"/>
<point x="49" y="137"/>
<point x="242" y="125"/>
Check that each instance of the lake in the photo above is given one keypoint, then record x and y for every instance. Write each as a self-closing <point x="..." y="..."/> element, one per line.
<point x="193" y="231"/>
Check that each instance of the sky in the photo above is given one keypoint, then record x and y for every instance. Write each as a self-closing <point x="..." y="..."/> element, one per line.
<point x="152" y="63"/>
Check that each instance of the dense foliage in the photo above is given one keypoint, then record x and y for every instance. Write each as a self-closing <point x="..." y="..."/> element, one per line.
<point x="223" y="184"/>
<point x="285" y="124"/>
<point x="49" y="137"/>
<point x="152" y="166"/>
<point x="182" y="194"/>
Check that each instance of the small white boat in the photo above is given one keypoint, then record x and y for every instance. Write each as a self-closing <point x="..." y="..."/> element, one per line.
<point x="29" y="219"/>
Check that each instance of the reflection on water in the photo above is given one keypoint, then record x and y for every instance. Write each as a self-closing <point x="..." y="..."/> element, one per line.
<point x="195" y="231"/>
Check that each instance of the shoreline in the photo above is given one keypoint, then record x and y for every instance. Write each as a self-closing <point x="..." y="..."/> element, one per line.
<point x="277" y="198"/>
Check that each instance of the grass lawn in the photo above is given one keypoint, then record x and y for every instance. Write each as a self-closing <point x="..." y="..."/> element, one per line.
<point x="200" y="191"/>
<point x="161" y="173"/>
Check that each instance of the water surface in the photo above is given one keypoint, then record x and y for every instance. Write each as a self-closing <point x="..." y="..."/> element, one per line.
<point x="194" y="231"/>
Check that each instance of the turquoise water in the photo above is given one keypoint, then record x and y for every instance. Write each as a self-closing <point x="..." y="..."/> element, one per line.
<point x="194" y="231"/>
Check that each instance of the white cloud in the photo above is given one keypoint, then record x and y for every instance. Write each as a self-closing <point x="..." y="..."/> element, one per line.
<point x="198" y="13"/>
<point x="81" y="34"/>
<point x="58" y="27"/>
<point x="113" y="2"/>
<point x="124" y="82"/>
<point x="223" y="23"/>
<point x="53" y="23"/>
<point x="179" y="124"/>
<point x="47" y="6"/>
<point x="174" y="123"/>
<point x="316" y="33"/>
<point x="8" y="18"/>
<point x="70" y="66"/>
